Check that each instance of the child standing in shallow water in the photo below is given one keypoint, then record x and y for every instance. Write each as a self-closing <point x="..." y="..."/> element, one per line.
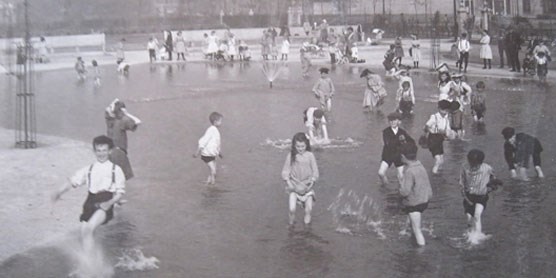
<point x="476" y="179"/>
<point x="300" y="172"/>
<point x="324" y="90"/>
<point x="478" y="102"/>
<point x="415" y="189"/>
<point x="209" y="145"/>
<point x="374" y="92"/>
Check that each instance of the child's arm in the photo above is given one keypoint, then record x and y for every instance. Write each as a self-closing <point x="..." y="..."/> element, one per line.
<point x="61" y="191"/>
<point x="332" y="88"/>
<point x="135" y="119"/>
<point x="407" y="184"/>
<point x="77" y="179"/>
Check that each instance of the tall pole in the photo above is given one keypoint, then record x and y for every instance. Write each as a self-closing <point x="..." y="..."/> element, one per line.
<point x="456" y="21"/>
<point x="25" y="106"/>
<point x="384" y="7"/>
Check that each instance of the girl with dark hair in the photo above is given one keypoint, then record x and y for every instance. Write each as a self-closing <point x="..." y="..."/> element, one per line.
<point x="300" y="172"/>
<point x="486" y="51"/>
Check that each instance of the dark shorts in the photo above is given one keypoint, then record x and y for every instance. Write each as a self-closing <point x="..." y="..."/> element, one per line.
<point x="396" y="161"/>
<point x="208" y="159"/>
<point x="91" y="205"/>
<point x="436" y="142"/>
<point x="475" y="199"/>
<point x="479" y="112"/>
<point x="119" y="157"/>
<point x="416" y="208"/>
<point x="406" y="106"/>
<point x="152" y="53"/>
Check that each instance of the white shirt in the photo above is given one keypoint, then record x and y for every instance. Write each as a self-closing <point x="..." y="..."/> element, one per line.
<point x="311" y="120"/>
<point x="438" y="124"/>
<point x="152" y="44"/>
<point x="101" y="178"/>
<point x="210" y="142"/>
<point x="463" y="45"/>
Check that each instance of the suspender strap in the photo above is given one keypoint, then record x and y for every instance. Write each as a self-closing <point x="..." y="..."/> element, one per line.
<point x="89" y="175"/>
<point x="113" y="174"/>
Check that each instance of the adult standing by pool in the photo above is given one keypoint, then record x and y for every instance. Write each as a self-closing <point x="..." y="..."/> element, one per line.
<point x="486" y="51"/>
<point x="169" y="44"/>
<point x="501" y="48"/>
<point x="513" y="45"/>
<point x="152" y="45"/>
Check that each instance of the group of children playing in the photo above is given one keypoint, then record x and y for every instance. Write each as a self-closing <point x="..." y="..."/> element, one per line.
<point x="477" y="178"/>
<point x="106" y="181"/>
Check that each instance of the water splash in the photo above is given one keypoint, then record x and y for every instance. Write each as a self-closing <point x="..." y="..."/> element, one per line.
<point x="476" y="238"/>
<point x="337" y="143"/>
<point x="133" y="259"/>
<point x="87" y="264"/>
<point x="272" y="70"/>
<point x="355" y="215"/>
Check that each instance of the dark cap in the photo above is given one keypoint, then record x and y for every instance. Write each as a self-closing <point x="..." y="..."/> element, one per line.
<point x="508" y="132"/>
<point x="444" y="104"/>
<point x="394" y="116"/>
<point x="317" y="114"/>
<point x="366" y="72"/>
<point x="455" y="105"/>
<point x="323" y="70"/>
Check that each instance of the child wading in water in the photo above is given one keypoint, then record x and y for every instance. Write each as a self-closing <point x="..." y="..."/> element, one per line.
<point x="415" y="188"/>
<point x="406" y="99"/>
<point x="476" y="180"/>
<point x="374" y="92"/>
<point x="394" y="138"/>
<point x="324" y="90"/>
<point x="437" y="129"/>
<point x="80" y="69"/>
<point x="478" y="102"/>
<point x="300" y="172"/>
<point x="106" y="186"/>
<point x="209" y="146"/>
<point x="96" y="71"/>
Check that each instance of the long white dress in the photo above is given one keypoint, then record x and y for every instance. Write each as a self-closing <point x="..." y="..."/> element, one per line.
<point x="486" y="51"/>
<point x="232" y="49"/>
<point x="212" y="44"/>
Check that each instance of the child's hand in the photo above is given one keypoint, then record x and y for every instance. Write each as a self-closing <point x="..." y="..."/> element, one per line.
<point x="103" y="206"/>
<point x="56" y="196"/>
<point x="220" y="155"/>
<point x="195" y="155"/>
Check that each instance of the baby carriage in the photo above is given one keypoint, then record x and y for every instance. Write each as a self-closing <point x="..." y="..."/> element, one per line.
<point x="220" y="55"/>
<point x="343" y="58"/>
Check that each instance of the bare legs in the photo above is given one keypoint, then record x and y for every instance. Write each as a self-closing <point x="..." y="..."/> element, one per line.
<point x="293" y="204"/>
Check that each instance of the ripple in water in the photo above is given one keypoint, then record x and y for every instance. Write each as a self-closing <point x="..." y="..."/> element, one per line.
<point x="336" y="143"/>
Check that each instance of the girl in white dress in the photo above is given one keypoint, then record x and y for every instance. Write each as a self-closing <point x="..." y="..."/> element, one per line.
<point x="486" y="51"/>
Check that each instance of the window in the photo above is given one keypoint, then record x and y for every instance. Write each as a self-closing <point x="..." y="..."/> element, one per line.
<point x="527" y="6"/>
<point x="549" y="6"/>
